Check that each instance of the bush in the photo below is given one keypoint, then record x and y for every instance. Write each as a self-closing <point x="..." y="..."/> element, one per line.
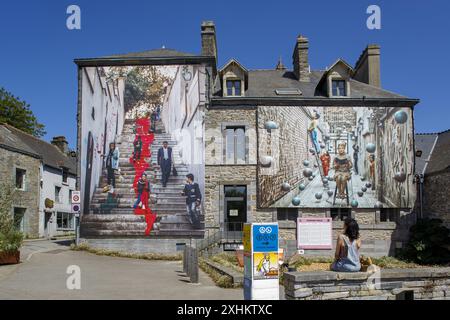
<point x="429" y="243"/>
<point x="10" y="239"/>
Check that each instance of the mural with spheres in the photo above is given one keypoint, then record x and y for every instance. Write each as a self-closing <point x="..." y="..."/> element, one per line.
<point x="331" y="157"/>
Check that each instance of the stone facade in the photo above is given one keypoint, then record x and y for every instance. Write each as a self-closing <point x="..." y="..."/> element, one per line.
<point x="28" y="198"/>
<point x="436" y="204"/>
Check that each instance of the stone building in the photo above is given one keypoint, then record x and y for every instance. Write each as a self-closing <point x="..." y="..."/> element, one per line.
<point x="43" y="175"/>
<point x="237" y="145"/>
<point x="433" y="175"/>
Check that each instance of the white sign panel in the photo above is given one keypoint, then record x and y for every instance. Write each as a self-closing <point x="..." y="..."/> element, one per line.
<point x="314" y="233"/>
<point x="76" y="197"/>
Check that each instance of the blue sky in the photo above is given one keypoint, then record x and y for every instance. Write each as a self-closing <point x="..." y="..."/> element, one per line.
<point x="37" y="50"/>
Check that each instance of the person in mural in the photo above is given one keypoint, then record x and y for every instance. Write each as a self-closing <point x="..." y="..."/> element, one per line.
<point x="314" y="132"/>
<point x="143" y="188"/>
<point x="347" y="257"/>
<point x="342" y="165"/>
<point x="158" y="113"/>
<point x="112" y="164"/>
<point x="325" y="159"/>
<point x="165" y="162"/>
<point x="193" y="199"/>
<point x="137" y="145"/>
<point x="372" y="170"/>
<point x="263" y="266"/>
<point x="355" y="157"/>
<point x="153" y="118"/>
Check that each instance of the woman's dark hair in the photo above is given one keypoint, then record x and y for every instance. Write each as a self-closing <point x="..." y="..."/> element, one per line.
<point x="352" y="229"/>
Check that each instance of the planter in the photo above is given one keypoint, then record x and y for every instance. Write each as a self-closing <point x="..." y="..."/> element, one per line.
<point x="9" y="257"/>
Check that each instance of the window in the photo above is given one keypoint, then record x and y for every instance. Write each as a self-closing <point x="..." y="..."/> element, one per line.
<point x="20" y="179"/>
<point x="234" y="88"/>
<point x="338" y="88"/>
<point x="57" y="194"/>
<point x="235" y="145"/>
<point x="64" y="220"/>
<point x="339" y="214"/>
<point x="65" y="174"/>
<point x="290" y="214"/>
<point x="19" y="219"/>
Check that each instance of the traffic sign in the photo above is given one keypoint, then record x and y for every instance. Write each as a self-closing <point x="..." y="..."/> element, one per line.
<point x="265" y="238"/>
<point x="76" y="208"/>
<point x="76" y="197"/>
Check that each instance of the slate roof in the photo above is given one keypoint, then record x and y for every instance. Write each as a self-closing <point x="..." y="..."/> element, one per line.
<point x="424" y="143"/>
<point x="263" y="83"/>
<point x="440" y="157"/>
<point x="19" y="141"/>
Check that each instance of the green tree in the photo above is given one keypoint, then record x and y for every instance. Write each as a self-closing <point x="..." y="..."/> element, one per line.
<point x="10" y="239"/>
<point x="17" y="113"/>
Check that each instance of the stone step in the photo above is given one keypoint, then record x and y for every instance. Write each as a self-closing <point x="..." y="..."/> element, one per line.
<point x="197" y="234"/>
<point x="154" y="207"/>
<point x="130" y="211"/>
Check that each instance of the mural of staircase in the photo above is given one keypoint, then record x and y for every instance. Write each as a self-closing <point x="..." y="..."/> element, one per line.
<point x="113" y="215"/>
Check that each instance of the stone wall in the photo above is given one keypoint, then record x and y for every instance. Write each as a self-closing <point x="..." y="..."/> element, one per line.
<point x="435" y="195"/>
<point x="29" y="197"/>
<point x="216" y="177"/>
<point x="288" y="146"/>
<point x="388" y="284"/>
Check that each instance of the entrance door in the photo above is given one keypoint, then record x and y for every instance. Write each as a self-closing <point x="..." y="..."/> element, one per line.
<point x="47" y="217"/>
<point x="235" y="207"/>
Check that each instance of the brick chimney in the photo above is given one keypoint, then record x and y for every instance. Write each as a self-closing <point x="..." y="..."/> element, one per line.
<point x="209" y="43"/>
<point x="61" y="143"/>
<point x="300" y="59"/>
<point x="367" y="68"/>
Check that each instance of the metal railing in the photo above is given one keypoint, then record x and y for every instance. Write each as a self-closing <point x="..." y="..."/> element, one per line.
<point x="228" y="232"/>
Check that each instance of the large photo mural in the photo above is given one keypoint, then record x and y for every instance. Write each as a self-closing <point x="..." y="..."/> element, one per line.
<point x="326" y="157"/>
<point x="142" y="171"/>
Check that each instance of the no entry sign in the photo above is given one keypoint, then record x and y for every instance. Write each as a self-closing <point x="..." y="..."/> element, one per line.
<point x="76" y="197"/>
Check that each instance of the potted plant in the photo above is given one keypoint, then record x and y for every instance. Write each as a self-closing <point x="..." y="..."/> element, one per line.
<point x="10" y="239"/>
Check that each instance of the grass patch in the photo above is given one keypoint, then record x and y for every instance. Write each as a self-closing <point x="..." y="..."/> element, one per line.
<point x="221" y="280"/>
<point x="111" y="253"/>
<point x="228" y="260"/>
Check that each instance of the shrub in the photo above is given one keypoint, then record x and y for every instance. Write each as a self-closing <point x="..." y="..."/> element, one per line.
<point x="10" y="239"/>
<point x="429" y="242"/>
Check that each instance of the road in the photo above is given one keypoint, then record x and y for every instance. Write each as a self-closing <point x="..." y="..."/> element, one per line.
<point x="42" y="275"/>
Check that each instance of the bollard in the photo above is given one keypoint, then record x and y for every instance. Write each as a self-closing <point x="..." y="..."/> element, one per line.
<point x="184" y="259"/>
<point x="194" y="270"/>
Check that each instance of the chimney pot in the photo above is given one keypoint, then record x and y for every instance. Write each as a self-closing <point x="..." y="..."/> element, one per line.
<point x="61" y="143"/>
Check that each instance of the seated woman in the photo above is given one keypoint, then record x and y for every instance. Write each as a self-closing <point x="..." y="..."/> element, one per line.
<point x="347" y="248"/>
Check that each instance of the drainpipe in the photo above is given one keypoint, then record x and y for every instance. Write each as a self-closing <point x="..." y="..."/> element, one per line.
<point x="420" y="180"/>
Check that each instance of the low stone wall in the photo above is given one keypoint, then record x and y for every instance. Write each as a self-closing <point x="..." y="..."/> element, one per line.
<point x="158" y="246"/>
<point x="388" y="284"/>
<point x="237" y="278"/>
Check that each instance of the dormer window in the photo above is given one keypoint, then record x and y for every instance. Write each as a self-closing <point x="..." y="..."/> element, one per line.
<point x="234" y="88"/>
<point x="339" y="88"/>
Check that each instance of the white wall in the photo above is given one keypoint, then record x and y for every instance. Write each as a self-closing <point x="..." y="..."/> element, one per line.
<point x="51" y="178"/>
<point x="107" y="100"/>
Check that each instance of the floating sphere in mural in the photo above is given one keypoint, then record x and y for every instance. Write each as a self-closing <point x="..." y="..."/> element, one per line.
<point x="354" y="203"/>
<point x="312" y="150"/>
<point x="296" y="201"/>
<point x="316" y="166"/>
<point x="330" y="193"/>
<point x="378" y="205"/>
<point x="318" y="196"/>
<point x="325" y="181"/>
<point x="363" y="189"/>
<point x="266" y="161"/>
<point x="270" y="125"/>
<point x="322" y="146"/>
<point x="360" y="193"/>
<point x="307" y="172"/>
<point x="302" y="187"/>
<point x="286" y="186"/>
<point x="401" y="117"/>
<point x="400" y="176"/>
<point x="368" y="185"/>
<point x="370" y="148"/>
<point x="306" y="163"/>
<point x="326" y="137"/>
<point x="330" y="178"/>
<point x="363" y="178"/>
<point x="311" y="178"/>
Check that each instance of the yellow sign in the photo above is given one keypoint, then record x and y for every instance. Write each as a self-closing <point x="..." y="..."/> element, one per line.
<point x="265" y="265"/>
<point x="247" y="236"/>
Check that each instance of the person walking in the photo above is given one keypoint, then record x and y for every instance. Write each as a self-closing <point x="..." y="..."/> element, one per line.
<point x="165" y="162"/>
<point x="137" y="144"/>
<point x="193" y="199"/>
<point x="112" y="164"/>
<point x="355" y="158"/>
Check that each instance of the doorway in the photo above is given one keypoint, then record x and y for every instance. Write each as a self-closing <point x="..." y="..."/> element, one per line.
<point x="235" y="207"/>
<point x="87" y="184"/>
